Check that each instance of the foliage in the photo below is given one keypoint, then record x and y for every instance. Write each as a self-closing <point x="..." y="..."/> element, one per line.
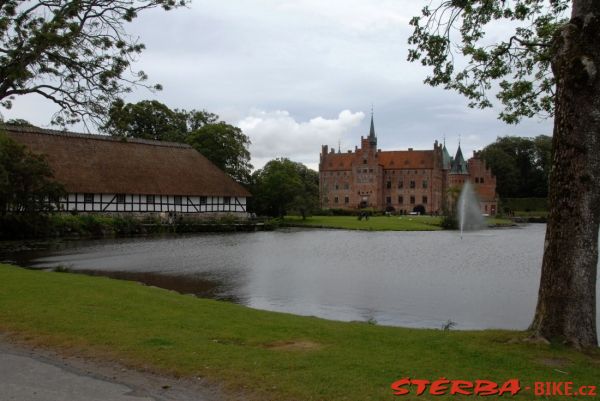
<point x="458" y="40"/>
<point x="74" y="53"/>
<point x="26" y="184"/>
<point x="226" y="146"/>
<point x="449" y="222"/>
<point x="223" y="144"/>
<point x="525" y="204"/>
<point x="260" y="355"/>
<point x="282" y="186"/>
<point x="521" y="165"/>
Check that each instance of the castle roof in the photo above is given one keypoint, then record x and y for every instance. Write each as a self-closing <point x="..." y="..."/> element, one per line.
<point x="459" y="166"/>
<point x="400" y="159"/>
<point x="86" y="163"/>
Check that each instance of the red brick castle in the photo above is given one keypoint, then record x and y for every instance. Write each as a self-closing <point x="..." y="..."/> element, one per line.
<point x="404" y="181"/>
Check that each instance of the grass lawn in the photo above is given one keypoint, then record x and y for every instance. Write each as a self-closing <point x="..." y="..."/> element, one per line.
<point x="380" y="223"/>
<point x="375" y="223"/>
<point x="265" y="355"/>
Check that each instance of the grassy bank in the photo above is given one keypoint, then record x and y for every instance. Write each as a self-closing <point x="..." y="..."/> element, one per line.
<point x="263" y="355"/>
<point x="379" y="223"/>
<point x="375" y="223"/>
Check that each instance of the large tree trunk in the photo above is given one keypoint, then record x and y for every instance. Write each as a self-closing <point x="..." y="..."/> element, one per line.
<point x="566" y="308"/>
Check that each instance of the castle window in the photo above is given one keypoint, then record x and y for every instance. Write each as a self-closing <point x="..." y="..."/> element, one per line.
<point x="335" y="200"/>
<point x="412" y="200"/>
<point x="425" y="200"/>
<point x="370" y="170"/>
<point x="476" y="180"/>
<point x="412" y="184"/>
<point x="425" y="183"/>
<point x="337" y="186"/>
<point x="481" y="180"/>
<point x="346" y="200"/>
<point x="365" y="161"/>
<point x="388" y="185"/>
<point x="400" y="184"/>
<point x="388" y="200"/>
<point x="346" y="186"/>
<point x="400" y="200"/>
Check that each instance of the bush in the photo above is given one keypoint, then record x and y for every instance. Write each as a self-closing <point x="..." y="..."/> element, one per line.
<point x="449" y="222"/>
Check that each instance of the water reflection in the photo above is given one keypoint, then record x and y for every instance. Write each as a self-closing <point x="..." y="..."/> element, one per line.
<point x="414" y="279"/>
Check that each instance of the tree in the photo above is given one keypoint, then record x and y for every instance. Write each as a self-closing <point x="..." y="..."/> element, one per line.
<point x="148" y="119"/>
<point x="226" y="146"/>
<point x="26" y="184"/>
<point x="282" y="186"/>
<point x="549" y="64"/>
<point x="521" y="165"/>
<point x="223" y="144"/>
<point x="74" y="53"/>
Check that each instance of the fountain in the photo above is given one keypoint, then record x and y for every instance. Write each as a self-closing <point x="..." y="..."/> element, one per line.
<point x="469" y="212"/>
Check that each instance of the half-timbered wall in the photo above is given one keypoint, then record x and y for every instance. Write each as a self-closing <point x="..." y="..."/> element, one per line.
<point x="152" y="203"/>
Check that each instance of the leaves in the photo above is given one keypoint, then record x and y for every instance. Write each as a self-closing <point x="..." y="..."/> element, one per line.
<point x="76" y="54"/>
<point x="453" y="39"/>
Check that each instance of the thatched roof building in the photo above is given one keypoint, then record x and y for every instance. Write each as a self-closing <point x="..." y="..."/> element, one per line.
<point x="118" y="174"/>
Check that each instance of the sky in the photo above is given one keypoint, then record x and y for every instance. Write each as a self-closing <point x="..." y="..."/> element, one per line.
<point x="295" y="75"/>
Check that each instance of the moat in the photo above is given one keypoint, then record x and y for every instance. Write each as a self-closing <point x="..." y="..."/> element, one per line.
<point x="414" y="279"/>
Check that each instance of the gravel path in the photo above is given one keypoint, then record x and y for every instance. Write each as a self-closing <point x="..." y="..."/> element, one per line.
<point x="42" y="375"/>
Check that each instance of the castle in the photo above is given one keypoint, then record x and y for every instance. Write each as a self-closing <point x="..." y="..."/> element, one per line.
<point x="404" y="181"/>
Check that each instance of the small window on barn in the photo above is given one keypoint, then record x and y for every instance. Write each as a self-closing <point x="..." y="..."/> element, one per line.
<point x="177" y="200"/>
<point x="227" y="200"/>
<point x="120" y="198"/>
<point x="88" y="198"/>
<point x="150" y="199"/>
<point x="203" y="200"/>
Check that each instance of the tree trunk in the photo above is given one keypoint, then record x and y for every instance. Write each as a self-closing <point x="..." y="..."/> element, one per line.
<point x="566" y="308"/>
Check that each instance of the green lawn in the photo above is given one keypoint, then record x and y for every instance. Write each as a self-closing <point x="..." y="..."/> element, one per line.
<point x="265" y="355"/>
<point x="377" y="223"/>
<point x="380" y="223"/>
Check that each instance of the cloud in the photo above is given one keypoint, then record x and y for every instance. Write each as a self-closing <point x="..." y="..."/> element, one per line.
<point x="278" y="134"/>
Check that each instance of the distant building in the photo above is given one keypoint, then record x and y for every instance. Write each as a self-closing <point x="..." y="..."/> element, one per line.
<point x="104" y="174"/>
<point x="404" y="181"/>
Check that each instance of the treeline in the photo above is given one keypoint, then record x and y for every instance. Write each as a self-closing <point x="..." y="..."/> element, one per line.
<point x="521" y="165"/>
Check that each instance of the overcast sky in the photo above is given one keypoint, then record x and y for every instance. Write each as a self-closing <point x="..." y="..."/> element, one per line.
<point x="298" y="74"/>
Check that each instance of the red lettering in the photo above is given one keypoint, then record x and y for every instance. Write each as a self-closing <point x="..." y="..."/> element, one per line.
<point x="421" y="385"/>
<point x="485" y="388"/>
<point x="461" y="387"/>
<point x="556" y="388"/>
<point x="512" y="386"/>
<point x="439" y="387"/>
<point x="569" y="388"/>
<point x="539" y="388"/>
<point x="592" y="391"/>
<point x="398" y="385"/>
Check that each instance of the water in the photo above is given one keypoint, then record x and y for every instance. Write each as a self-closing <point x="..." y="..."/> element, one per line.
<point x="469" y="211"/>
<point x="413" y="279"/>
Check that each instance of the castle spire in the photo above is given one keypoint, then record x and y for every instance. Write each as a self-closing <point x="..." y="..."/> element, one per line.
<point x="372" y="137"/>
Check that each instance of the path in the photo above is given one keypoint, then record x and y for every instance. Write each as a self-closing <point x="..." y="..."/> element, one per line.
<point x="41" y="375"/>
